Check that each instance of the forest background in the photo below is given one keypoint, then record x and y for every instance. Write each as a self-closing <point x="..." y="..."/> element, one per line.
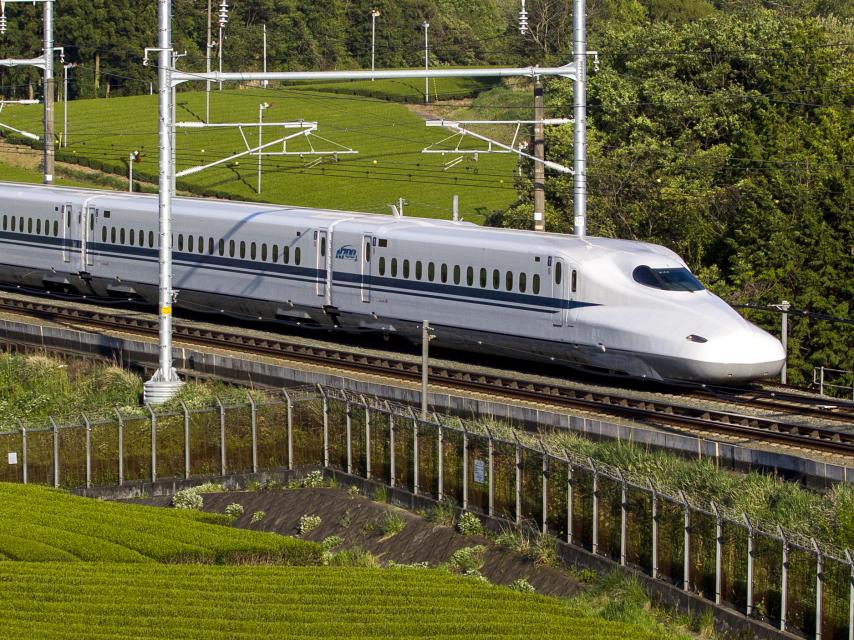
<point x="721" y="129"/>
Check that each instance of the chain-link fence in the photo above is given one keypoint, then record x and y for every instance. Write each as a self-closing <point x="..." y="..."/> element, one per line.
<point x="794" y="583"/>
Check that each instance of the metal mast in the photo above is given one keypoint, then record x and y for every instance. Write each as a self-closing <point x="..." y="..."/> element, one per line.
<point x="48" y="93"/>
<point x="579" y="54"/>
<point x="164" y="384"/>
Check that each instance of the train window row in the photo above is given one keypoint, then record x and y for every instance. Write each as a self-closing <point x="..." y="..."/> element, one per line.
<point x="510" y="280"/>
<point x="205" y="246"/>
<point x="28" y="225"/>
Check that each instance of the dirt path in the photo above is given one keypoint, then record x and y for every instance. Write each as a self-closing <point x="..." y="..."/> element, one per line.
<point x="357" y="520"/>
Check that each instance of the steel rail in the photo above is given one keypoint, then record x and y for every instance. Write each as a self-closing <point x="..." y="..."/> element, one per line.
<point x="639" y="409"/>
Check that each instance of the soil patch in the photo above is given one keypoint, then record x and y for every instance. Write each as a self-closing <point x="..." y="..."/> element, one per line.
<point x="358" y="521"/>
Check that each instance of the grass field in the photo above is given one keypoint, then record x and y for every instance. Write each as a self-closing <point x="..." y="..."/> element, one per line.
<point x="388" y="137"/>
<point x="405" y="90"/>
<point x="55" y="600"/>
<point x="12" y="173"/>
<point x="43" y="525"/>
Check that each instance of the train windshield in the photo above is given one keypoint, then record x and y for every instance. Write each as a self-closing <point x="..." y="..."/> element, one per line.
<point x="667" y="279"/>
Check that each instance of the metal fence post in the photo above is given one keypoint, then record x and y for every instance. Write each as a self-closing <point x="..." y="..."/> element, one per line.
<point x="850" y="562"/>
<point x="750" y="533"/>
<point x="686" y="556"/>
<point x="88" y="427"/>
<point x="819" y="588"/>
<point x="491" y="480"/>
<point x="367" y="440"/>
<point x="222" y="459"/>
<point x="348" y="419"/>
<point x="719" y="534"/>
<point x="654" y="530"/>
<point x="784" y="580"/>
<point x="415" y="463"/>
<point x="545" y="491"/>
<point x="391" y="470"/>
<point x="55" y="453"/>
<point x="595" y="545"/>
<point x="441" y="461"/>
<point x="24" y="466"/>
<point x="326" y="430"/>
<point x="290" y="428"/>
<point x="153" y="443"/>
<point x="518" y="481"/>
<point x="569" y="499"/>
<point x="624" y="519"/>
<point x="186" y="441"/>
<point x="465" y="468"/>
<point x="121" y="448"/>
<point x="254" y="410"/>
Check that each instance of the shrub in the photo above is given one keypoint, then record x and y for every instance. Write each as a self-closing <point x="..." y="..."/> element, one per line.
<point x="308" y="523"/>
<point x="470" y="525"/>
<point x="522" y="585"/>
<point x="392" y="524"/>
<point x="234" y="510"/>
<point x="188" y="499"/>
<point x="544" y="551"/>
<point x="345" y="519"/>
<point x="353" y="491"/>
<point x="258" y="516"/>
<point x="330" y="542"/>
<point x="474" y="574"/>
<point x="443" y="514"/>
<point x="313" y="480"/>
<point x="381" y="494"/>
<point x="209" y="487"/>
<point x="355" y="557"/>
<point x="468" y="558"/>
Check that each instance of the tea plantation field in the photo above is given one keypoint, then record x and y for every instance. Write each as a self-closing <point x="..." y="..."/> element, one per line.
<point x="388" y="137"/>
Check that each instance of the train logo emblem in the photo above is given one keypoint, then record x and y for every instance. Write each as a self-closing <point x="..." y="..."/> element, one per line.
<point x="347" y="252"/>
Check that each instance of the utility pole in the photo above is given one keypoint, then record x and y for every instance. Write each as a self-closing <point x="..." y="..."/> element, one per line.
<point x="132" y="157"/>
<point x="48" y="93"/>
<point x="208" y="65"/>
<point x="164" y="384"/>
<point x="579" y="143"/>
<point x="426" y="336"/>
<point x="784" y="306"/>
<point x="426" y="26"/>
<point x="265" y="83"/>
<point x="65" y="69"/>
<point x="540" y="154"/>
<point x="375" y="13"/>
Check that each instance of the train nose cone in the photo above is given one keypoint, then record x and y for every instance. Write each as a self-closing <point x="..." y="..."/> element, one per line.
<point x="746" y="355"/>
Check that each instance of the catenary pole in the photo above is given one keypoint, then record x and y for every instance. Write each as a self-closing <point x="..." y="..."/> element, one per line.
<point x="426" y="26"/>
<point x="208" y="65"/>
<point x="165" y="383"/>
<point x="579" y="54"/>
<point x="48" y="93"/>
<point x="540" y="153"/>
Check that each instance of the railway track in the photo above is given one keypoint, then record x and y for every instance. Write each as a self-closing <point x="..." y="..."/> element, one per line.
<point x="642" y="410"/>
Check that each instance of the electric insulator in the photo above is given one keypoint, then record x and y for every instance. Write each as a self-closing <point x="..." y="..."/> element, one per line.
<point x="223" y="14"/>
<point x="523" y="20"/>
<point x="2" y="24"/>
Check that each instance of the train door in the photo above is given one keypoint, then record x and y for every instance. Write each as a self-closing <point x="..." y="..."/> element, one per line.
<point x="90" y="217"/>
<point x="367" y="260"/>
<point x="560" y="291"/>
<point x="70" y="230"/>
<point x="320" y="241"/>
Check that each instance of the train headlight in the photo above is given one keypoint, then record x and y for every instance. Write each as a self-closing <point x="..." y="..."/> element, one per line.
<point x="696" y="338"/>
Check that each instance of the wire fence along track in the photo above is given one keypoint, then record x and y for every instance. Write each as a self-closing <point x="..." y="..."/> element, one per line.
<point x="641" y="409"/>
<point x="792" y="582"/>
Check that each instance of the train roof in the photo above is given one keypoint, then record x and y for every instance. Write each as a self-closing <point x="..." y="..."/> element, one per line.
<point x="444" y="232"/>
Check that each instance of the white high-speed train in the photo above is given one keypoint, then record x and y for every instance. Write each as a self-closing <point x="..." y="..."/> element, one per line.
<point x="609" y="306"/>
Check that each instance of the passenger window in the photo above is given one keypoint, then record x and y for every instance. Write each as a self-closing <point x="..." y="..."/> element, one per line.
<point x="56" y="228"/>
<point x="252" y="251"/>
<point x="122" y="235"/>
<point x="456" y="274"/>
<point x="189" y="243"/>
<point x="39" y="226"/>
<point x="382" y="266"/>
<point x="482" y="278"/>
<point x="523" y="282"/>
<point x="131" y="238"/>
<point x="112" y="234"/>
<point x="297" y="256"/>
<point x="368" y="251"/>
<point x="406" y="268"/>
<point x="231" y="248"/>
<point x="242" y="249"/>
<point x="444" y="272"/>
<point x="431" y="271"/>
<point x="558" y="272"/>
<point x="141" y="242"/>
<point x="508" y="281"/>
<point x="264" y="251"/>
<point x="29" y="225"/>
<point x="394" y="267"/>
<point x="210" y="246"/>
<point x="286" y="254"/>
<point x="323" y="246"/>
<point x="222" y="246"/>
<point x="180" y="242"/>
<point x="470" y="276"/>
<point x="47" y="227"/>
<point x="275" y="253"/>
<point x="536" y="284"/>
<point x="92" y="221"/>
<point x="14" y="222"/>
<point x="150" y="239"/>
<point x="574" y="281"/>
<point x="418" y="270"/>
<point x="5" y="222"/>
<point x="496" y="278"/>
